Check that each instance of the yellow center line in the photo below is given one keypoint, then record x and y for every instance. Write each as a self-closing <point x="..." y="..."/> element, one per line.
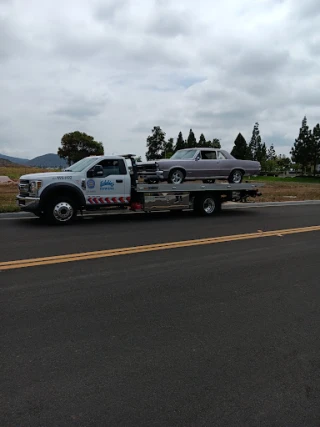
<point x="34" y="262"/>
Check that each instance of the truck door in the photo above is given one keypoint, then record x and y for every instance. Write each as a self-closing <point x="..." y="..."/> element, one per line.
<point x="113" y="188"/>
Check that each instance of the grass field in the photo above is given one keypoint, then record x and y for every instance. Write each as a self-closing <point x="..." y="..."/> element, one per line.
<point x="14" y="173"/>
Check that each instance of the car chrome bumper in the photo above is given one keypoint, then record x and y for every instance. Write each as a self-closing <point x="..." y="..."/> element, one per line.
<point x="28" y="204"/>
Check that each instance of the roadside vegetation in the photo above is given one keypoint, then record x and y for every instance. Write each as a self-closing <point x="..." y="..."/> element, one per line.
<point x="8" y="192"/>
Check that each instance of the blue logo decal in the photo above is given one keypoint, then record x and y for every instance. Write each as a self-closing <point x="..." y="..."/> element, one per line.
<point x="106" y="185"/>
<point x="91" y="183"/>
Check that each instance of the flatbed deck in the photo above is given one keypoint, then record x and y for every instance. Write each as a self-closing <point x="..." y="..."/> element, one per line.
<point x="194" y="187"/>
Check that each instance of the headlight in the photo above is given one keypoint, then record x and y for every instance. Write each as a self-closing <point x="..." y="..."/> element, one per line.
<point x="35" y="186"/>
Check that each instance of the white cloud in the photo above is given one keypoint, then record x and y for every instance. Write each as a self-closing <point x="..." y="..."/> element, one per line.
<point x="116" y="68"/>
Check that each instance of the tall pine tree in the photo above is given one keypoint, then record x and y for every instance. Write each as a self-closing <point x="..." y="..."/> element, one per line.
<point x="191" y="141"/>
<point x="315" y="148"/>
<point x="254" y="147"/>
<point x="155" y="143"/>
<point x="302" y="146"/>
<point x="240" y="148"/>
<point x="180" y="144"/>
<point x="202" y="141"/>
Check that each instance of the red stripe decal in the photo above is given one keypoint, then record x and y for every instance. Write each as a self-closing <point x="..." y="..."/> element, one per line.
<point x="114" y="199"/>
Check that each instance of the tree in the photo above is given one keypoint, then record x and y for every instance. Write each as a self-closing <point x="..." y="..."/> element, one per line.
<point x="271" y="154"/>
<point x="283" y="162"/>
<point x="240" y="148"/>
<point x="302" y="147"/>
<point x="202" y="141"/>
<point x="155" y="143"/>
<point x="315" y="151"/>
<point x="191" y="141"/>
<point x="167" y="150"/>
<point x="77" y="145"/>
<point x="255" y="143"/>
<point x="180" y="144"/>
<point x="215" y="143"/>
<point x="261" y="155"/>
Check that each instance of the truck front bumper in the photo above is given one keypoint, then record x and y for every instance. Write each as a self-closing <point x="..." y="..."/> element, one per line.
<point x="28" y="204"/>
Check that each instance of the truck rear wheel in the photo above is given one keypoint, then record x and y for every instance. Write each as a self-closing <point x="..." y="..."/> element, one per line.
<point x="62" y="210"/>
<point x="207" y="204"/>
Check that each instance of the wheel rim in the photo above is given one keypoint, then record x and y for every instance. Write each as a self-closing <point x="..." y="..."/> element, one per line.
<point x="177" y="177"/>
<point x="209" y="206"/>
<point x="63" y="212"/>
<point x="236" y="177"/>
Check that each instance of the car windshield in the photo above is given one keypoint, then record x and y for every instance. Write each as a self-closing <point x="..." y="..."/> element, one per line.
<point x="183" y="154"/>
<point x="81" y="165"/>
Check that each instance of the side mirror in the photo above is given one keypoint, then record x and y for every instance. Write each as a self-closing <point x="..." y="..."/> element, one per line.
<point x="96" y="171"/>
<point x="197" y="158"/>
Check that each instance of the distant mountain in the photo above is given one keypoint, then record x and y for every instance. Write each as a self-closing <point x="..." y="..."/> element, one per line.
<point x="49" y="160"/>
<point x="15" y="159"/>
<point x="7" y="164"/>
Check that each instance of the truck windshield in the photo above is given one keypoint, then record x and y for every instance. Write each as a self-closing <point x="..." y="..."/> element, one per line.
<point x="183" y="154"/>
<point x="81" y="164"/>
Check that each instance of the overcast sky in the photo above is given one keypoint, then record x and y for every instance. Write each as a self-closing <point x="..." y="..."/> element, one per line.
<point x="116" y="68"/>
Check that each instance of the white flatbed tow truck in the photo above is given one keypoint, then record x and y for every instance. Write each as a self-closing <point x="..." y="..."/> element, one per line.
<point x="109" y="182"/>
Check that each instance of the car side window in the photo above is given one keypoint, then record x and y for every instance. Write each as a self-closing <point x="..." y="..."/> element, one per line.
<point x="208" y="155"/>
<point x="221" y="156"/>
<point x="113" y="167"/>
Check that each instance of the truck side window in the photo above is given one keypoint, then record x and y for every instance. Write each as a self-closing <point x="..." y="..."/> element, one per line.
<point x="113" y="167"/>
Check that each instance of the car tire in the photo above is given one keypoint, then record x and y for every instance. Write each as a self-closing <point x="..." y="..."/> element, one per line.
<point x="207" y="204"/>
<point x="176" y="176"/>
<point x="61" y="211"/>
<point x="235" y="177"/>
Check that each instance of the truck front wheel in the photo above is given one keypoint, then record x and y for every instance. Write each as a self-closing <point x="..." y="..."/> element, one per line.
<point x="207" y="204"/>
<point x="62" y="210"/>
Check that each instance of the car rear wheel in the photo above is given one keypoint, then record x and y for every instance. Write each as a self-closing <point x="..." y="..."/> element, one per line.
<point x="235" y="177"/>
<point x="176" y="176"/>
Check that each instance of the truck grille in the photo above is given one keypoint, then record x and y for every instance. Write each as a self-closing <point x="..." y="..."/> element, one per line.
<point x="24" y="187"/>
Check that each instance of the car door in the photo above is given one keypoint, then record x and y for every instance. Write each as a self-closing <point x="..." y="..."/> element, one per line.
<point x="113" y="187"/>
<point x="224" y="164"/>
<point x="209" y="164"/>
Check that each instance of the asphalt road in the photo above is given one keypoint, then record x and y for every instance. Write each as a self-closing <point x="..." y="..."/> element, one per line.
<point x="218" y="335"/>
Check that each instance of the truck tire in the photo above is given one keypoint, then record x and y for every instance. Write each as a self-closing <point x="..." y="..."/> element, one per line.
<point x="176" y="176"/>
<point x="61" y="210"/>
<point x="207" y="204"/>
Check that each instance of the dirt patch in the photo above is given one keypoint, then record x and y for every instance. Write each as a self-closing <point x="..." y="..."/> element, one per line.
<point x="5" y="180"/>
<point x="284" y="192"/>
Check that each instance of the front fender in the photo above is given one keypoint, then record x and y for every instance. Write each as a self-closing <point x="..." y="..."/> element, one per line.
<point x="65" y="187"/>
